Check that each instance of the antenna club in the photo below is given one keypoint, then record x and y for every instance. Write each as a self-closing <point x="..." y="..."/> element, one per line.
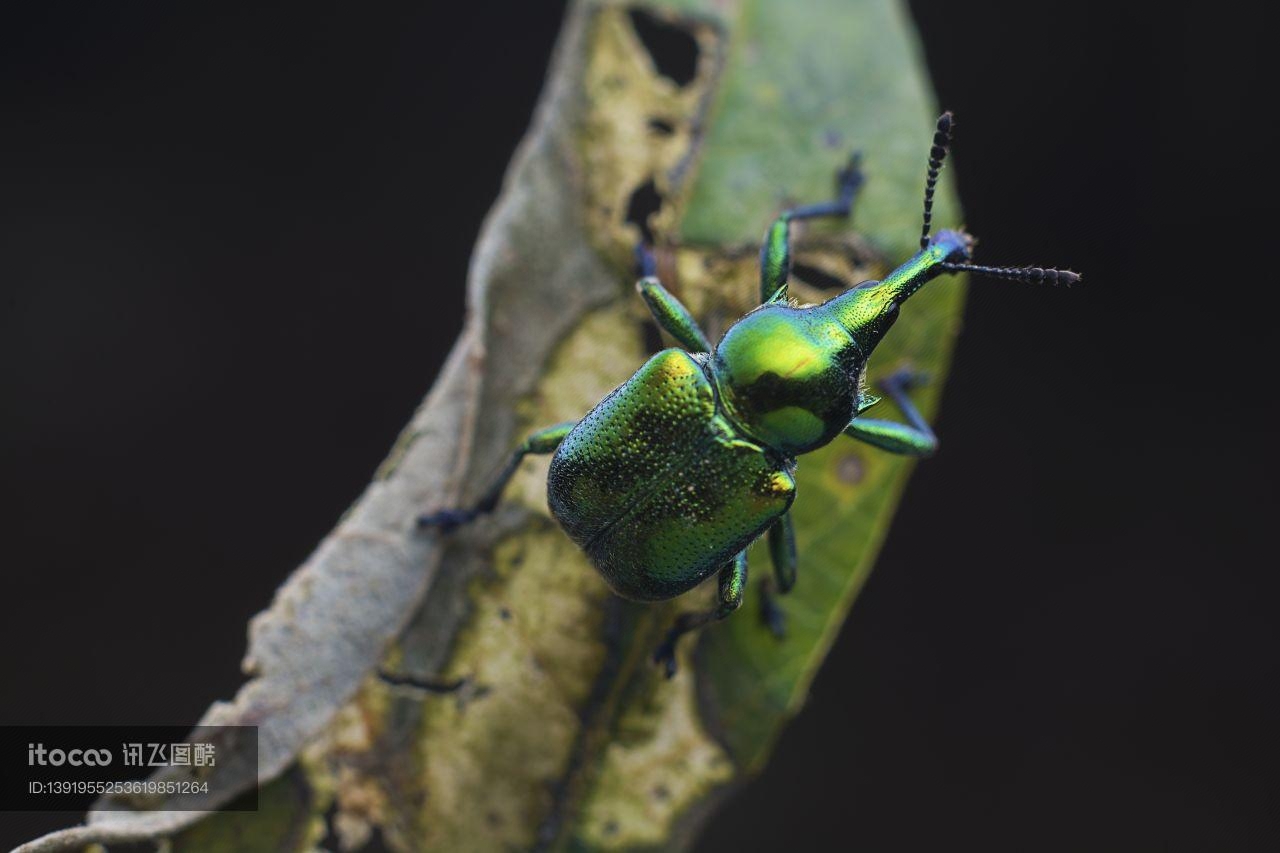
<point x="937" y="154"/>
<point x="942" y="136"/>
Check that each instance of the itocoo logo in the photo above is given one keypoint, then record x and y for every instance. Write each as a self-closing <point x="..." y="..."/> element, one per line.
<point x="37" y="754"/>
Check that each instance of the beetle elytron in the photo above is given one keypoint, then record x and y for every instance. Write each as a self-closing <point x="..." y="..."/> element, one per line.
<point x="671" y="477"/>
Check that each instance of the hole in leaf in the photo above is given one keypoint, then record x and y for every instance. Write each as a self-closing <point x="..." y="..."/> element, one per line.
<point x="817" y="278"/>
<point x="661" y="126"/>
<point x="333" y="841"/>
<point x="850" y="470"/>
<point x="672" y="47"/>
<point x="644" y="202"/>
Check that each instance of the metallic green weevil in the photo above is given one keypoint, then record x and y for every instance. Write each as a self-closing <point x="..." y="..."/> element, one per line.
<point x="672" y="476"/>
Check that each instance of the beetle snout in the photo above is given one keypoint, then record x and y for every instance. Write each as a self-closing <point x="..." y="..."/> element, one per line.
<point x="958" y="241"/>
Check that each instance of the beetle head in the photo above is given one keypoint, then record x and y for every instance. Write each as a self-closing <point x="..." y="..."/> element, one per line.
<point x="868" y="310"/>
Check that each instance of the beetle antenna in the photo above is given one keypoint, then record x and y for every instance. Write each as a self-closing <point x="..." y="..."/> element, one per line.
<point x="938" y="153"/>
<point x="1028" y="275"/>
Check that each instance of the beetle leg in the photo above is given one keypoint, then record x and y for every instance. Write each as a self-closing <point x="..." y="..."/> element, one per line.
<point x="775" y="254"/>
<point x="671" y="315"/>
<point x="733" y="584"/>
<point x="541" y="442"/>
<point x="424" y="684"/>
<point x="917" y="439"/>
<point x="782" y="551"/>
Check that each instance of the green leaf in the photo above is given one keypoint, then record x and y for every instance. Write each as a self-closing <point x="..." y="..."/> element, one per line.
<point x="806" y="83"/>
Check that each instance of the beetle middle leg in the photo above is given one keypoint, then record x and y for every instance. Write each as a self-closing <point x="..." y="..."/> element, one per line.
<point x="782" y="552"/>
<point x="667" y="311"/>
<point x="541" y="442"/>
<point x="775" y="254"/>
<point x="915" y="439"/>
<point x="733" y="585"/>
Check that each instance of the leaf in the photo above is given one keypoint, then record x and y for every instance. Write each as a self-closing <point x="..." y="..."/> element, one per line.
<point x="803" y="87"/>
<point x="559" y="734"/>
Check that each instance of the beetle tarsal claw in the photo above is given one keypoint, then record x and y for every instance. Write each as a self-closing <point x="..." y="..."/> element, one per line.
<point x="772" y="616"/>
<point x="665" y="656"/>
<point x="445" y="520"/>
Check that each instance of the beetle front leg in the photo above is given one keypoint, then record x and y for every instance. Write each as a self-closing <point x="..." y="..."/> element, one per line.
<point x="733" y="585"/>
<point x="667" y="311"/>
<point x="775" y="254"/>
<point x="917" y="439"/>
<point x="541" y="442"/>
<point x="782" y="552"/>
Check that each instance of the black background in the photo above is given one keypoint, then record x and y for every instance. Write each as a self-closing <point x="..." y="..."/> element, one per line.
<point x="218" y="226"/>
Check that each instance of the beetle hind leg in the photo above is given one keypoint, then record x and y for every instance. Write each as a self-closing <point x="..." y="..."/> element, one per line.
<point x="541" y="442"/>
<point x="782" y="551"/>
<point x="733" y="585"/>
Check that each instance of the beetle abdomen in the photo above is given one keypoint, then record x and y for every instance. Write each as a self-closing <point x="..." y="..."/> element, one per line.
<point x="657" y="487"/>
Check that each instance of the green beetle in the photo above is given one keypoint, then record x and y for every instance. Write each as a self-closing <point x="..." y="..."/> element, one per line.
<point x="672" y="476"/>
